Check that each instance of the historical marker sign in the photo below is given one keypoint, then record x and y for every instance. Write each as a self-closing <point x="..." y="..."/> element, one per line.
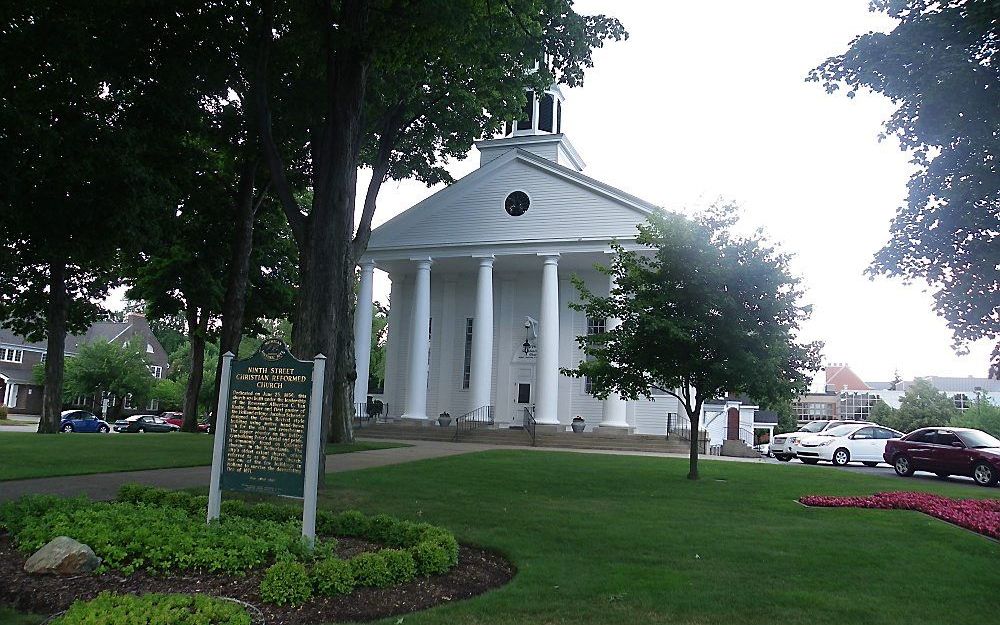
<point x="265" y="443"/>
<point x="268" y="428"/>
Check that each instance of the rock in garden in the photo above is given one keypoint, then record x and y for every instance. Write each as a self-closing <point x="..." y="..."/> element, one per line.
<point x="62" y="556"/>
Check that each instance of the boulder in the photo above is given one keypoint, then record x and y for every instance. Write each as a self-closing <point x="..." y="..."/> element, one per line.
<point x="62" y="556"/>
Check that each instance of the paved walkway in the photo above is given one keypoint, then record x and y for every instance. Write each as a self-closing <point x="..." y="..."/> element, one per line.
<point x="106" y="485"/>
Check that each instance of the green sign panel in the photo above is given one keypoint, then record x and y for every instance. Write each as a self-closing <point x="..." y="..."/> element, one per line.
<point x="265" y="437"/>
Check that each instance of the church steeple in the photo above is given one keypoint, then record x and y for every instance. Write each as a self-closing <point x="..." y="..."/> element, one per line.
<point x="539" y="131"/>
<point x="542" y="114"/>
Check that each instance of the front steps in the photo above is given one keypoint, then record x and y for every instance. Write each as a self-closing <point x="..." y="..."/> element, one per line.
<point x="517" y="437"/>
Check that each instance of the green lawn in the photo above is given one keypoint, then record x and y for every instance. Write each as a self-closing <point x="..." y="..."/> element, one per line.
<point x="616" y="539"/>
<point x="28" y="455"/>
<point x="16" y="422"/>
<point x="608" y="539"/>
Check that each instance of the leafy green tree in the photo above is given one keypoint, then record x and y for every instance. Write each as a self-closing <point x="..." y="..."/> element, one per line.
<point x="399" y="89"/>
<point x="78" y="168"/>
<point x="883" y="414"/>
<point x="169" y="394"/>
<point x="922" y="405"/>
<point x="939" y="65"/>
<point x="981" y="415"/>
<point x="120" y="369"/>
<point x="705" y="313"/>
<point x="786" y="418"/>
<point x="376" y="368"/>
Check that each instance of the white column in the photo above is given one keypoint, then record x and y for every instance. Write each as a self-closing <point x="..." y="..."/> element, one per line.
<point x="11" y="395"/>
<point x="614" y="406"/>
<point x="547" y="367"/>
<point x="482" y="337"/>
<point x="416" y="375"/>
<point x="363" y="332"/>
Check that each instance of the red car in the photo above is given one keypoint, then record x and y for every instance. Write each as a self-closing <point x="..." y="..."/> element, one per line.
<point x="946" y="451"/>
<point x="177" y="418"/>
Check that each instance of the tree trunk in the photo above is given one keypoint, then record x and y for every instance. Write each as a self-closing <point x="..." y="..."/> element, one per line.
<point x="196" y="334"/>
<point x="693" y="452"/>
<point x="234" y="305"/>
<point x="57" y="315"/>
<point x="117" y="407"/>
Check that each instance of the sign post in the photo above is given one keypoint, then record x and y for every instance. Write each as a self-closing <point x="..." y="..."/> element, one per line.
<point x="268" y="429"/>
<point x="219" y="432"/>
<point x="313" y="443"/>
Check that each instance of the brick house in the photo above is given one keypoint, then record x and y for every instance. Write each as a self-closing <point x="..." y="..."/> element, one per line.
<point x="20" y="393"/>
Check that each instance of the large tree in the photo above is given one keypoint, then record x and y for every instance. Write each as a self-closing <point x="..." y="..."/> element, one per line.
<point x="78" y="162"/>
<point x="704" y="312"/>
<point x="399" y="87"/>
<point x="940" y="65"/>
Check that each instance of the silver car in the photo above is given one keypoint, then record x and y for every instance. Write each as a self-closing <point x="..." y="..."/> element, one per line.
<point x="782" y="444"/>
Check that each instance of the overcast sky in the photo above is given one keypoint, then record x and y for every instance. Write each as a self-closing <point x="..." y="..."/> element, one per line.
<point x="708" y="100"/>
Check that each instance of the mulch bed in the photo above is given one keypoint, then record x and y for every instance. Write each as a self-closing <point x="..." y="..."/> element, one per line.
<point x="477" y="572"/>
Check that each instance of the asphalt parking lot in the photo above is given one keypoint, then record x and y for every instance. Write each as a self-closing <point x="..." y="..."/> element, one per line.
<point x="886" y="470"/>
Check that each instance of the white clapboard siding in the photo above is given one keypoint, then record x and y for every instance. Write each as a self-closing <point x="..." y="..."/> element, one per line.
<point x="563" y="207"/>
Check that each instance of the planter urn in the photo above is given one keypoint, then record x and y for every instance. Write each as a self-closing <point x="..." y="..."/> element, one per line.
<point x="579" y="426"/>
<point x="444" y="419"/>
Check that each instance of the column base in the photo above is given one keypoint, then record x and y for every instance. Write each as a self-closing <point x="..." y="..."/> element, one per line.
<point x="415" y="420"/>
<point x="605" y="429"/>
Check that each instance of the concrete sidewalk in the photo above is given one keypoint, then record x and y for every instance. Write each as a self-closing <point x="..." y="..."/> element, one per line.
<point x="106" y="485"/>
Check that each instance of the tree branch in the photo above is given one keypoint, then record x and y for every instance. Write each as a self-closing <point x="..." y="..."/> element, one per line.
<point x="391" y="129"/>
<point x="296" y="219"/>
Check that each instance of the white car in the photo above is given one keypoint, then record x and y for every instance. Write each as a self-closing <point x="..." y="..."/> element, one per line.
<point x="782" y="445"/>
<point x="852" y="442"/>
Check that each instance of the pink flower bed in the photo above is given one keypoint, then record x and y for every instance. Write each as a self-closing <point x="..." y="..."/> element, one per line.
<point x="979" y="515"/>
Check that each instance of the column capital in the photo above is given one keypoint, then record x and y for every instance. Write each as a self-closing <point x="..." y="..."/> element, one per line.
<point x="423" y="262"/>
<point x="485" y="260"/>
<point x="367" y="265"/>
<point x="549" y="258"/>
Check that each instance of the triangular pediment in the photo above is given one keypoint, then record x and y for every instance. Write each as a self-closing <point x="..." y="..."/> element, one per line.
<point x="565" y="205"/>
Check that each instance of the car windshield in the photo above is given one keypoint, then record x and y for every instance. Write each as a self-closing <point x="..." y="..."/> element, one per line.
<point x="978" y="440"/>
<point x="815" y="426"/>
<point x="839" y="430"/>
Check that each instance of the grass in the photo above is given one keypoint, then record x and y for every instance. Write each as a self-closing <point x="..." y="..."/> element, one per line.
<point x="15" y="422"/>
<point x="29" y="455"/>
<point x="615" y="539"/>
<point x="602" y="539"/>
<point x="10" y="617"/>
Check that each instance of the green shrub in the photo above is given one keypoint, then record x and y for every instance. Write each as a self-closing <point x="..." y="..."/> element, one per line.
<point x="134" y="536"/>
<point x="3" y="412"/>
<point x="349" y="523"/>
<point x="332" y="576"/>
<point x="431" y="558"/>
<point x="154" y="609"/>
<point x="371" y="569"/>
<point x="286" y="582"/>
<point x="400" y="565"/>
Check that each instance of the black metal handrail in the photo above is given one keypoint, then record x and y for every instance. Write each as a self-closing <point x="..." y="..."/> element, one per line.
<point x="529" y="424"/>
<point x="370" y="413"/>
<point x="474" y="419"/>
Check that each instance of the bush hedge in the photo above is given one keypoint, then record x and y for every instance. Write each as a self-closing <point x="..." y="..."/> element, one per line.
<point x="154" y="609"/>
<point x="156" y="529"/>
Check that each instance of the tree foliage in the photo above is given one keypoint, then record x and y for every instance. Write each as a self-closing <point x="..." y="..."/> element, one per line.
<point x="120" y="369"/>
<point x="940" y="65"/>
<point x="981" y="415"/>
<point x="704" y="313"/>
<point x="921" y="406"/>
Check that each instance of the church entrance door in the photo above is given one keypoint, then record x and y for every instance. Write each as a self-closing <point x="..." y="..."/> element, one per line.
<point x="524" y="394"/>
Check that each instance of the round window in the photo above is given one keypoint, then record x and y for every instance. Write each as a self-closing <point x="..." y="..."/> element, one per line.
<point x="517" y="203"/>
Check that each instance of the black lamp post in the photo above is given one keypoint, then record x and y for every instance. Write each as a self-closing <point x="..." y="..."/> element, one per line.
<point x="526" y="345"/>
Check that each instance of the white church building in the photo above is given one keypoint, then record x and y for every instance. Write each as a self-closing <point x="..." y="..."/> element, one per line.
<point x="480" y="319"/>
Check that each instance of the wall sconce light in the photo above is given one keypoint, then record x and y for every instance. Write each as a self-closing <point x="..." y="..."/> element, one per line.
<point x="526" y="345"/>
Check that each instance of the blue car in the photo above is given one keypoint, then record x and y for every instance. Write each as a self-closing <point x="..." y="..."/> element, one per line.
<point x="82" y="421"/>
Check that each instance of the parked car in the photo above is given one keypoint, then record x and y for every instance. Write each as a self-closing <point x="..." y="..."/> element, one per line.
<point x="144" y="423"/>
<point x="82" y="421"/>
<point x="177" y="418"/>
<point x="849" y="442"/>
<point x="781" y="445"/>
<point x="947" y="451"/>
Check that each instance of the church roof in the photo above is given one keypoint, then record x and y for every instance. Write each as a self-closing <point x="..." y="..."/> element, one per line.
<point x="566" y="206"/>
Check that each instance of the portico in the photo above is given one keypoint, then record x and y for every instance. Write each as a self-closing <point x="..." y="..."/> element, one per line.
<point x="480" y="320"/>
